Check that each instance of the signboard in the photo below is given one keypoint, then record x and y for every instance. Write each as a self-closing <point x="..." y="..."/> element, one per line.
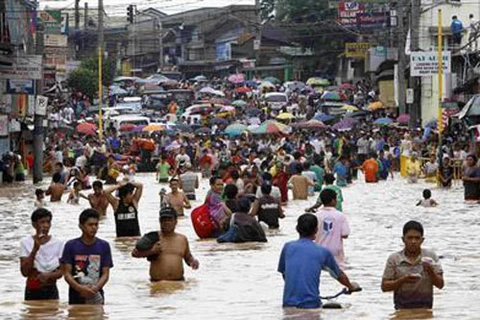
<point x="409" y="96"/>
<point x="3" y="125"/>
<point x="55" y="40"/>
<point x="20" y="86"/>
<point x="357" y="49"/>
<point x="373" y="20"/>
<point x="51" y="20"/>
<point x="41" y="108"/>
<point x="256" y="44"/>
<point x="426" y="63"/>
<point x="347" y="12"/>
<point x="22" y="67"/>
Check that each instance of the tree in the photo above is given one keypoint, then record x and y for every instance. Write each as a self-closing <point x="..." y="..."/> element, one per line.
<point x="85" y="81"/>
<point x="108" y="68"/>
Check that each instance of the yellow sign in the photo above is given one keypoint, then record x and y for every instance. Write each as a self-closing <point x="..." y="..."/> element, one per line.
<point x="357" y="49"/>
<point x="126" y="68"/>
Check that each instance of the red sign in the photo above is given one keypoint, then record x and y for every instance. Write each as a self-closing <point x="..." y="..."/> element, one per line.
<point x="349" y="11"/>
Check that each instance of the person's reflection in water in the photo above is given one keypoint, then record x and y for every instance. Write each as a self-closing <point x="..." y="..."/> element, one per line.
<point x="299" y="314"/>
<point x="91" y="311"/>
<point x="46" y="309"/>
<point x="407" y="314"/>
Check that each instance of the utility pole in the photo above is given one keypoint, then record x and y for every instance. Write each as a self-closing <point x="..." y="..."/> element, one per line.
<point x="415" y="82"/>
<point x="160" y="24"/>
<point x="38" y="131"/>
<point x="401" y="56"/>
<point x="77" y="14"/>
<point x="85" y="17"/>
<point x="100" y="67"/>
<point x="258" y="35"/>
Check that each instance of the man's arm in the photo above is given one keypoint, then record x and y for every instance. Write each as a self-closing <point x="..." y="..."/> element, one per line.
<point x="189" y="259"/>
<point x="255" y="207"/>
<point x="26" y="263"/>
<point x="138" y="191"/>
<point x="344" y="280"/>
<point x="110" y="198"/>
<point x="103" y="279"/>
<point x="84" y="290"/>
<point x="186" y="202"/>
<point x="437" y="278"/>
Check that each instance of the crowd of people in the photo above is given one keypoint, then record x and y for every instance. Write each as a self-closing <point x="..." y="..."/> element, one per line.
<point x="251" y="178"/>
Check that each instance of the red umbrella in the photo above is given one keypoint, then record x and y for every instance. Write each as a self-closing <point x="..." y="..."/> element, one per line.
<point x="403" y="118"/>
<point x="243" y="89"/>
<point x="347" y="86"/>
<point x="127" y="127"/>
<point x="87" y="128"/>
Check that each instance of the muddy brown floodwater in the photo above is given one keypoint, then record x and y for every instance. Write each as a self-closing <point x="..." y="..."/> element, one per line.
<point x="239" y="281"/>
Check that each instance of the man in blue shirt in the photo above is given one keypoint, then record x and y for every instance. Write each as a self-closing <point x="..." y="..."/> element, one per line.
<point x="457" y="28"/>
<point x="301" y="263"/>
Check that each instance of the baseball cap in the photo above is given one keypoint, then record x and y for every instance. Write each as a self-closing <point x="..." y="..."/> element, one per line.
<point x="168" y="212"/>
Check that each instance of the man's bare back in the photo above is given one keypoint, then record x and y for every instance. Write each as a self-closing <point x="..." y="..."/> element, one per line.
<point x="55" y="191"/>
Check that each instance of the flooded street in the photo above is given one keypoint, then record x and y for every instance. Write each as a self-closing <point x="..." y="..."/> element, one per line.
<point x="240" y="281"/>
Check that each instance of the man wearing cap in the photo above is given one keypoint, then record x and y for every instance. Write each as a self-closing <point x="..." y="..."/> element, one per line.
<point x="165" y="249"/>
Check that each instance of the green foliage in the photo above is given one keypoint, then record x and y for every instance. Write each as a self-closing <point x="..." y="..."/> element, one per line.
<point x="108" y="68"/>
<point x="85" y="81"/>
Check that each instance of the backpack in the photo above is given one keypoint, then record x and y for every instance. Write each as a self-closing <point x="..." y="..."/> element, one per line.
<point x="202" y="223"/>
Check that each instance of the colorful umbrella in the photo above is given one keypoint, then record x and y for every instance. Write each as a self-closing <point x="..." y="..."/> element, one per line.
<point x="375" y="106"/>
<point x="243" y="89"/>
<point x="236" y="129"/>
<point x="127" y="127"/>
<point x="340" y="126"/>
<point x="239" y="103"/>
<point x="87" y="128"/>
<point x="138" y="128"/>
<point x="318" y="82"/>
<point x="324" y="117"/>
<point x="347" y="86"/>
<point x="348" y="107"/>
<point x="236" y="78"/>
<point x="383" y="121"/>
<point x="203" y="130"/>
<point x="330" y="95"/>
<point x="285" y="116"/>
<point x="252" y="112"/>
<point x="310" y="124"/>
<point x="227" y="109"/>
<point x="272" y="80"/>
<point x="218" y="121"/>
<point x="403" y="118"/>
<point x="223" y="101"/>
<point x="153" y="127"/>
<point x="349" y="120"/>
<point x="199" y="108"/>
<point x="272" y="127"/>
<point x="266" y="84"/>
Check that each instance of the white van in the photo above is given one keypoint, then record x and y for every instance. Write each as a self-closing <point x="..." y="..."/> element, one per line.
<point x="118" y="121"/>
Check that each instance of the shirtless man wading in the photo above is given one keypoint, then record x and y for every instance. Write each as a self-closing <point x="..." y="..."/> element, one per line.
<point x="177" y="199"/>
<point x="168" y="250"/>
<point x="97" y="199"/>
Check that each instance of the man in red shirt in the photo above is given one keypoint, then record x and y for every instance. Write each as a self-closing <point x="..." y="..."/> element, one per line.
<point x="206" y="164"/>
<point x="370" y="169"/>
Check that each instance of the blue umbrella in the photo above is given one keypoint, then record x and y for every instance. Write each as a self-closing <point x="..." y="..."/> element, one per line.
<point x="324" y="117"/>
<point x="383" y="121"/>
<point x="253" y="112"/>
<point x="236" y="129"/>
<point x="251" y="83"/>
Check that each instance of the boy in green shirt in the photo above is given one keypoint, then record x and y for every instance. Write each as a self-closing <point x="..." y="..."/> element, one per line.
<point x="329" y="179"/>
<point x="163" y="168"/>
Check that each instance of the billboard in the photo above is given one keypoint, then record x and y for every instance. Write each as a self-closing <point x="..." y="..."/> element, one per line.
<point x="357" y="49"/>
<point x="426" y="63"/>
<point x="22" y="67"/>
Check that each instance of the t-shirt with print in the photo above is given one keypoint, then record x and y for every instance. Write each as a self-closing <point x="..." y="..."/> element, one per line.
<point x="87" y="262"/>
<point x="412" y="295"/>
<point x="332" y="226"/>
<point x="48" y="256"/>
